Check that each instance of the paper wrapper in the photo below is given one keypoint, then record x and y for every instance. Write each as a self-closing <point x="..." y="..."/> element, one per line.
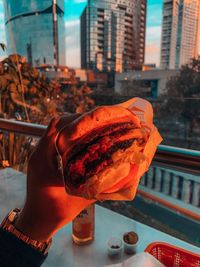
<point x="126" y="188"/>
<point x="143" y="259"/>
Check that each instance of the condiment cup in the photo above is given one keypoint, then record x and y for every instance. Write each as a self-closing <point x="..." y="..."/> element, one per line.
<point x="115" y="247"/>
<point x="130" y="241"/>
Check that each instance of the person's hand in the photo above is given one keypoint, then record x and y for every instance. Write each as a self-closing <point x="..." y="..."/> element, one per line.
<point x="48" y="207"/>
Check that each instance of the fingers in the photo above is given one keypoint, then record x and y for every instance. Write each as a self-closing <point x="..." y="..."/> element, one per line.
<point x="51" y="127"/>
<point x="63" y="127"/>
<point x="57" y="123"/>
<point x="46" y="148"/>
<point x="65" y="120"/>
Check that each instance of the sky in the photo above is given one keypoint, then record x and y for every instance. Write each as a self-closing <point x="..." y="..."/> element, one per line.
<point x="73" y="10"/>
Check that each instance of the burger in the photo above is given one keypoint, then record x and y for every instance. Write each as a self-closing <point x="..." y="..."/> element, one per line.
<point x="100" y="149"/>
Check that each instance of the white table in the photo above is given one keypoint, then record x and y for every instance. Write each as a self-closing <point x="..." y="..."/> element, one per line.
<point x="63" y="252"/>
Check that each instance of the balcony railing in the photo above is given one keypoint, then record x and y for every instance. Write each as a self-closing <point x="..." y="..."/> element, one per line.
<point x="179" y="191"/>
<point x="173" y="179"/>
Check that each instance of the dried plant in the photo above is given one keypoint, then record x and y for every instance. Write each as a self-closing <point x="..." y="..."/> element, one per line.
<point x="27" y="95"/>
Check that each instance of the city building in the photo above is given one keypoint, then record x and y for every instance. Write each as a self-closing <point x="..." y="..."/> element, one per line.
<point x="67" y="76"/>
<point x="62" y="74"/>
<point x="91" y="77"/>
<point x="150" y="83"/>
<point x="113" y="35"/>
<point x="35" y="29"/>
<point x="149" y="66"/>
<point x="180" y="32"/>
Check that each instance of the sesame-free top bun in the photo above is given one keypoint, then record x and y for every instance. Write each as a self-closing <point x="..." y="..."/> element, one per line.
<point x="79" y="129"/>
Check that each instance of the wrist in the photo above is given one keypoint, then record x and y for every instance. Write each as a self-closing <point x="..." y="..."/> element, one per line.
<point x="34" y="225"/>
<point x="8" y="225"/>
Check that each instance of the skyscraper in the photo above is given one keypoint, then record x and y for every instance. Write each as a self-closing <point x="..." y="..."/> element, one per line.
<point x="180" y="32"/>
<point x="113" y="35"/>
<point x="35" y="29"/>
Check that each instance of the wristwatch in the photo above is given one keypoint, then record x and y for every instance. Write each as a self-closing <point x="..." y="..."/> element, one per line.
<point x="8" y="225"/>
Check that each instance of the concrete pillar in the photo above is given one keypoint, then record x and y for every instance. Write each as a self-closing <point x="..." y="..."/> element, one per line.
<point x="175" y="186"/>
<point x="196" y="195"/>
<point x="186" y="191"/>
<point x="150" y="176"/>
<point x="158" y="179"/>
<point x="166" y="182"/>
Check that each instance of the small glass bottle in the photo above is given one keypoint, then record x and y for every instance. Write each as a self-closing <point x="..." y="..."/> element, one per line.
<point x="83" y="226"/>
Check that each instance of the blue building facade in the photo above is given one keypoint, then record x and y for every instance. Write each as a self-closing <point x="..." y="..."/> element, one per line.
<point x="36" y="29"/>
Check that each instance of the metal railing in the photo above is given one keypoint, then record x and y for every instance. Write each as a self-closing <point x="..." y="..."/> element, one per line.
<point x="180" y="159"/>
<point x="173" y="180"/>
<point x="176" y="190"/>
<point x="24" y="128"/>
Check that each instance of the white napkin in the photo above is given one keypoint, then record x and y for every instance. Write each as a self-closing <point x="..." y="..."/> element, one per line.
<point x="139" y="260"/>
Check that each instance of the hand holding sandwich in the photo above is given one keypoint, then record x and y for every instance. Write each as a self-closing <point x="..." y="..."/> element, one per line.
<point x="47" y="207"/>
<point x="102" y="155"/>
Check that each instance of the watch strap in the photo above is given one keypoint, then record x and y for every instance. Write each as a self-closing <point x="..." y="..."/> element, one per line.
<point x="8" y="225"/>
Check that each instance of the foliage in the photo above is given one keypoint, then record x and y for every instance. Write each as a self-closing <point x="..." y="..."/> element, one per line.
<point x="182" y="96"/>
<point x="25" y="91"/>
<point x="180" y="104"/>
<point x="78" y="100"/>
<point x="26" y="94"/>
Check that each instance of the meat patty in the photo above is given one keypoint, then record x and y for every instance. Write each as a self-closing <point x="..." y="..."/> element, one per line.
<point x="95" y="152"/>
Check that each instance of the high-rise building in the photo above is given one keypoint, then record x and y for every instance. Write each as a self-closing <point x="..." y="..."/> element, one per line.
<point x="180" y="32"/>
<point x="35" y="29"/>
<point x="113" y="35"/>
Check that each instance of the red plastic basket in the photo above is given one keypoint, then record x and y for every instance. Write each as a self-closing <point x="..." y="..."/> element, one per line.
<point x="172" y="256"/>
